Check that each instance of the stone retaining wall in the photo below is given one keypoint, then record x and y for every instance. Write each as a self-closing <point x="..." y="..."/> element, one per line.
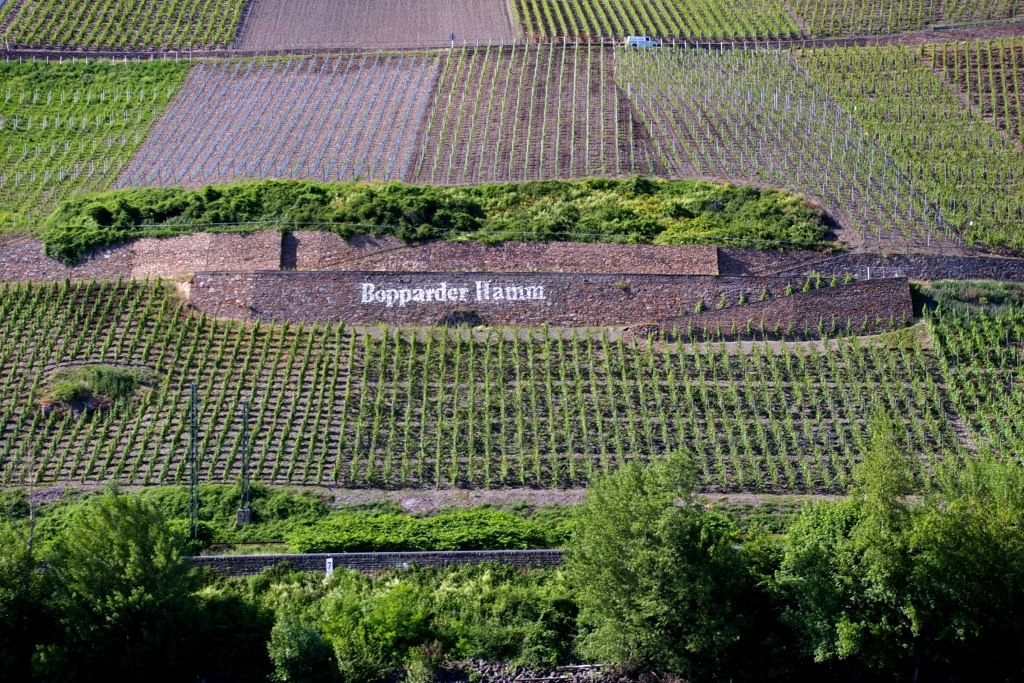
<point x="327" y="251"/>
<point x="912" y="266"/>
<point x="868" y="306"/>
<point x="246" y="565"/>
<point x="362" y="298"/>
<point x="22" y="259"/>
<point x="173" y="256"/>
<point x="921" y="267"/>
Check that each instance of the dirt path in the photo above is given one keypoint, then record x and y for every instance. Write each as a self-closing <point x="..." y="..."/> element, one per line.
<point x="428" y="501"/>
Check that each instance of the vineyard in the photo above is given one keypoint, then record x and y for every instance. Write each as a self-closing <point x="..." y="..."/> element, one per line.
<point x="319" y="118"/>
<point x="333" y="406"/>
<point x="874" y="17"/>
<point x="317" y="24"/>
<point x="980" y="359"/>
<point x="897" y="144"/>
<point x="757" y="117"/>
<point x="706" y="19"/>
<point x="169" y="24"/>
<point x="530" y="113"/>
<point x="971" y="177"/>
<point x="70" y="128"/>
<point x="989" y="75"/>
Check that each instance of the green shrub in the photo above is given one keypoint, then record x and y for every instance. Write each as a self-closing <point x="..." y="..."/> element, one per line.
<point x="597" y="210"/>
<point x="498" y="613"/>
<point x="69" y="392"/>
<point x="301" y="654"/>
<point x="479" y="529"/>
<point x="77" y="384"/>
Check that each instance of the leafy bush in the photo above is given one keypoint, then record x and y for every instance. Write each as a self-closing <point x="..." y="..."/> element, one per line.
<point x="74" y="385"/>
<point x="961" y="295"/>
<point x="122" y="596"/>
<point x="656" y="577"/>
<point x="639" y="210"/>
<point x="301" y="654"/>
<point x="472" y="529"/>
<point x="69" y="392"/>
<point x="276" y="511"/>
<point x="501" y="614"/>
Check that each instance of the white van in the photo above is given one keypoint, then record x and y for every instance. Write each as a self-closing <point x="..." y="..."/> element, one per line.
<point x="642" y="41"/>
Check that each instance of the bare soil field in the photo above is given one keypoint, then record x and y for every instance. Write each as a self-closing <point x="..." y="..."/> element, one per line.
<point x="318" y="118"/>
<point x="530" y="113"/>
<point x="308" y="24"/>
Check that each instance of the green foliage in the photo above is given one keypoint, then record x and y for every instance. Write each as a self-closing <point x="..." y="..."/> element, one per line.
<point x="423" y="664"/>
<point x="859" y="546"/>
<point x="455" y="529"/>
<point x="78" y="384"/>
<point x="962" y="295"/>
<point x="69" y="392"/>
<point x="967" y="552"/>
<point x="71" y="127"/>
<point x="19" y="597"/>
<point x="879" y="583"/>
<point x="125" y="24"/>
<point x="276" y="511"/>
<point x="372" y="626"/>
<point x="240" y="628"/>
<point x="499" y="614"/>
<point x="301" y="654"/>
<point x="655" y="575"/>
<point x="638" y="210"/>
<point x="366" y="628"/>
<point x="121" y="596"/>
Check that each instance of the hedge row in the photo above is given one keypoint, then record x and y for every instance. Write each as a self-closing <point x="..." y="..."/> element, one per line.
<point x="639" y="210"/>
<point x="470" y="529"/>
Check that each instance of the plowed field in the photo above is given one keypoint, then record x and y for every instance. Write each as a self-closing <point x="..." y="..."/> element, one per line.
<point x="289" y="24"/>
<point x="328" y="119"/>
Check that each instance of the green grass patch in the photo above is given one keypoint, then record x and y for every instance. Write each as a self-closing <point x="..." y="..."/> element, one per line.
<point x="70" y="128"/>
<point x="639" y="210"/>
<point x="963" y="295"/>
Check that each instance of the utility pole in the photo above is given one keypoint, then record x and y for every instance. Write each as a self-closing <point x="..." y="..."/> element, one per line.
<point x="244" y="515"/>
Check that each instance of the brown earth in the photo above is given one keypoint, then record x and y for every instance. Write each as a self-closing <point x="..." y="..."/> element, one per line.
<point x="289" y="24"/>
<point x="319" y="118"/>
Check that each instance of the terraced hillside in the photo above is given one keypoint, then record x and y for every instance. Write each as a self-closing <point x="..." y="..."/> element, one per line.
<point x="71" y="128"/>
<point x="365" y="24"/>
<point x="899" y="155"/>
<point x="530" y="113"/>
<point x="133" y="24"/>
<point x="391" y="408"/>
<point x="705" y="19"/>
<point x="970" y="176"/>
<point x="319" y="118"/>
<point x="757" y="117"/>
<point x="989" y="75"/>
<point x="873" y="17"/>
